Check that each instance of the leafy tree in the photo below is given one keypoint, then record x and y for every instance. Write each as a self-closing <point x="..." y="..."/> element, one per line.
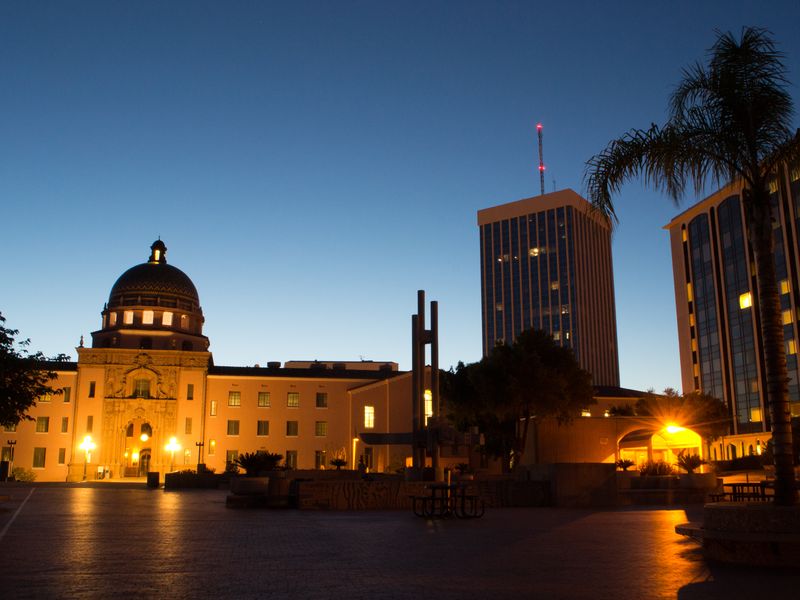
<point x="729" y="121"/>
<point x="24" y="377"/>
<point x="534" y="377"/>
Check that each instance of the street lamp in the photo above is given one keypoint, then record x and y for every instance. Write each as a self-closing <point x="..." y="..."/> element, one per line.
<point x="87" y="446"/>
<point x="11" y="444"/>
<point x="172" y="448"/>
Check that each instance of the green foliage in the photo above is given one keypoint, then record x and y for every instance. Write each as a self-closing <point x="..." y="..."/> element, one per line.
<point x="656" y="468"/>
<point x="255" y="463"/>
<point x="703" y="414"/>
<point x="24" y="475"/>
<point x="625" y="463"/>
<point x="24" y="376"/>
<point x="623" y="410"/>
<point x="534" y="377"/>
<point x="690" y="462"/>
<point x="338" y="463"/>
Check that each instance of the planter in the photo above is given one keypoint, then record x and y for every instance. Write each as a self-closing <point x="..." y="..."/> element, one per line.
<point x="699" y="481"/>
<point x="278" y="489"/>
<point x="249" y="486"/>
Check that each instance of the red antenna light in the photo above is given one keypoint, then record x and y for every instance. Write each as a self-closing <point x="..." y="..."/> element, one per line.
<point x="541" y="160"/>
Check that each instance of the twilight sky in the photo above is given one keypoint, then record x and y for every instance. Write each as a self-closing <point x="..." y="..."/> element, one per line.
<point x="311" y="165"/>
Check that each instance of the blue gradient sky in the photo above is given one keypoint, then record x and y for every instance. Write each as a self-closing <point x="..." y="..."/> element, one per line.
<point x="311" y="165"/>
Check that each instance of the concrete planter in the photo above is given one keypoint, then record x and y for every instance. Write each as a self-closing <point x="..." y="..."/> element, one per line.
<point x="699" y="481"/>
<point x="249" y="486"/>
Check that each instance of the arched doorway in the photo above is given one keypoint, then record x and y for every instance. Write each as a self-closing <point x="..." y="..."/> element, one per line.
<point x="144" y="462"/>
<point x="138" y="445"/>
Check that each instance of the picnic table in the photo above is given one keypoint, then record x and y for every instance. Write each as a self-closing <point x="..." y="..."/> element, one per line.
<point x="744" y="492"/>
<point x="448" y="500"/>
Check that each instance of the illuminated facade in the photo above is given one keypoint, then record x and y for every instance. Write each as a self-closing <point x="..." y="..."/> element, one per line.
<point x="149" y="378"/>
<point x="719" y="329"/>
<point x="546" y="264"/>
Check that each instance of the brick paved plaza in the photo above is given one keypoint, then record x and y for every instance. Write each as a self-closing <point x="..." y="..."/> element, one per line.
<point x="112" y="541"/>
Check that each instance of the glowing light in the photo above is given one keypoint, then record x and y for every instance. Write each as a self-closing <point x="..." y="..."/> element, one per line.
<point x="745" y="300"/>
<point x="672" y="428"/>
<point x="144" y="437"/>
<point x="586" y="412"/>
<point x="538" y="126"/>
<point x="428" y="395"/>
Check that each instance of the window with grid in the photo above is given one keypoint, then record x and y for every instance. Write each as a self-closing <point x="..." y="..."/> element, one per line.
<point x="322" y="399"/>
<point x="213" y="408"/>
<point x="292" y="428"/>
<point x="319" y="459"/>
<point x="39" y="457"/>
<point x="42" y="424"/>
<point x="369" y="417"/>
<point x="231" y="456"/>
<point x="234" y="398"/>
<point x="264" y="400"/>
<point x="293" y="400"/>
<point x="262" y="428"/>
<point x="291" y="459"/>
<point x="141" y="388"/>
<point x="233" y="427"/>
<point x="321" y="428"/>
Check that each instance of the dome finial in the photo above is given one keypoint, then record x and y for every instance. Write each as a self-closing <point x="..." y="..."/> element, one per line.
<point x="158" y="252"/>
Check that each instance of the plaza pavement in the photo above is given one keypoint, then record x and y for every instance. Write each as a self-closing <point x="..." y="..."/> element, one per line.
<point x="79" y="541"/>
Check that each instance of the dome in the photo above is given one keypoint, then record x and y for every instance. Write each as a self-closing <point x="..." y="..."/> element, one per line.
<point x="155" y="283"/>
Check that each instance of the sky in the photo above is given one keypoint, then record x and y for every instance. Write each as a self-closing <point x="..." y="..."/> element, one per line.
<point x="311" y="165"/>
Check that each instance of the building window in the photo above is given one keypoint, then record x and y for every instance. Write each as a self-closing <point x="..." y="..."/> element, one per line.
<point x="369" y="417"/>
<point x="231" y="456"/>
<point x="428" y="397"/>
<point x="212" y="447"/>
<point x="187" y="428"/>
<point x="39" y="457"/>
<point x="785" y="287"/>
<point x="293" y="400"/>
<point x="67" y="394"/>
<point x="233" y="427"/>
<point x="745" y="300"/>
<point x="64" y="424"/>
<point x="92" y="388"/>
<point x="213" y="408"/>
<point x="10" y="428"/>
<point x="262" y="428"/>
<point x="141" y="388"/>
<point x="369" y="459"/>
<point x="147" y="317"/>
<point x="190" y="391"/>
<point x="322" y="399"/>
<point x="264" y="400"/>
<point x="45" y="398"/>
<point x="166" y="319"/>
<point x="292" y="428"/>
<point x="291" y="459"/>
<point x="113" y="319"/>
<point x="321" y="428"/>
<point x="234" y="398"/>
<point x="127" y="317"/>
<point x="62" y="456"/>
<point x="184" y="321"/>
<point x="319" y="459"/>
<point x="89" y="423"/>
<point x="42" y="424"/>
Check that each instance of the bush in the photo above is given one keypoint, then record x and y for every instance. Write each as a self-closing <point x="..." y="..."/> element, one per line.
<point x="656" y="468"/>
<point x="24" y="475"/>
<point x="625" y="463"/>
<point x="690" y="462"/>
<point x="338" y="463"/>
<point x="254" y="463"/>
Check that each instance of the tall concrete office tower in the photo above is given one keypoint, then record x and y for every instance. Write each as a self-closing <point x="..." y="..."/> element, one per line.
<point x="546" y="264"/>
<point x="719" y="330"/>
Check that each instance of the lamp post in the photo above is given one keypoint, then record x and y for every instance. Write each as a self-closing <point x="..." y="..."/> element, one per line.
<point x="87" y="446"/>
<point x="11" y="444"/>
<point x="172" y="448"/>
<point x="199" y="454"/>
<point x="355" y="441"/>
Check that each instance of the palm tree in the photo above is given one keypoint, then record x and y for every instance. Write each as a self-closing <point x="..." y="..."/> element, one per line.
<point x="729" y="121"/>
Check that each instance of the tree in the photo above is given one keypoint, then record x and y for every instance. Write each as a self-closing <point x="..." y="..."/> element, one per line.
<point x="24" y="377"/>
<point x="729" y="121"/>
<point x="534" y="377"/>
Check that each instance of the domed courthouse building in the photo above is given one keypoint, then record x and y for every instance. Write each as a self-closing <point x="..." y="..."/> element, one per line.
<point x="147" y="397"/>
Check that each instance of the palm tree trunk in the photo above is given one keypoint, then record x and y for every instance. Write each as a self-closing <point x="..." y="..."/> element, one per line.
<point x="760" y="231"/>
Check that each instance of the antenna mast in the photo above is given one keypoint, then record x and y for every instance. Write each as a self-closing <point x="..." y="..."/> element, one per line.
<point x="541" y="160"/>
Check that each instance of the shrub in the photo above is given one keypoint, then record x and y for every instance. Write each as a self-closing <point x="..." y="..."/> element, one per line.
<point x="690" y="462"/>
<point x="656" y="468"/>
<point x="254" y="463"/>
<point x="338" y="463"/>
<point x="625" y="463"/>
<point x="22" y="474"/>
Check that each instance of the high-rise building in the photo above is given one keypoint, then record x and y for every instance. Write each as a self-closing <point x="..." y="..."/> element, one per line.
<point x="719" y="329"/>
<point x="546" y="264"/>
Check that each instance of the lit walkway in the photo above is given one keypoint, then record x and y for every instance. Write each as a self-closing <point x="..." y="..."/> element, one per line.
<point x="138" y="543"/>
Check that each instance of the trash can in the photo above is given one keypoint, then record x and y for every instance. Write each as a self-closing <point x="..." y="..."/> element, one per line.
<point x="153" y="479"/>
